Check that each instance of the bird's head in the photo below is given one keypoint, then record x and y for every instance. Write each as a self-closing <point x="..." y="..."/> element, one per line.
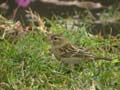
<point x="57" y="40"/>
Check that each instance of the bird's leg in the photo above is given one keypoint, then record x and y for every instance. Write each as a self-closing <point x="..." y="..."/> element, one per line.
<point x="71" y="66"/>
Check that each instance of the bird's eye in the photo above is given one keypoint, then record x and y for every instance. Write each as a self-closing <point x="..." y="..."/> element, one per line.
<point x="55" y="38"/>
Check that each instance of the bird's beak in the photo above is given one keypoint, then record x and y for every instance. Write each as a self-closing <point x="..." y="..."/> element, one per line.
<point x="48" y="39"/>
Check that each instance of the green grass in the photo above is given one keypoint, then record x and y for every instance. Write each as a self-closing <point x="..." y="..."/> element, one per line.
<point x="27" y="64"/>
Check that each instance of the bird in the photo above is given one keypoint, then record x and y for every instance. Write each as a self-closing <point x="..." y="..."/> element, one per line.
<point x="69" y="53"/>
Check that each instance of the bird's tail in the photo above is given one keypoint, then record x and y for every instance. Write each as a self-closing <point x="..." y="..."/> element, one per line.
<point x="104" y="58"/>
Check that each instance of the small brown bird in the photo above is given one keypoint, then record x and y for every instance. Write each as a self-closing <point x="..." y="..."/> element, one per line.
<point x="68" y="53"/>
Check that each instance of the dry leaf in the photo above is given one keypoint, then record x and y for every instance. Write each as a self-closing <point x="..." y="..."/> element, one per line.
<point x="84" y="4"/>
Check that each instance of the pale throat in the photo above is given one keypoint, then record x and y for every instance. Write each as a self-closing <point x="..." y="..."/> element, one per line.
<point x="59" y="45"/>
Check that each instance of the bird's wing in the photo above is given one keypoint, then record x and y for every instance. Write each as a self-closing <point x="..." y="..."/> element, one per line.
<point x="83" y="53"/>
<point x="70" y="50"/>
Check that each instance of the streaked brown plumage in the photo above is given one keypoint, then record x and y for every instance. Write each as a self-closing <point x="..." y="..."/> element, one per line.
<point x="69" y="53"/>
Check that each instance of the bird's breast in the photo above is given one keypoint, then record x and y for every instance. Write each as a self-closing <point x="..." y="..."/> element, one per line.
<point x="57" y="53"/>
